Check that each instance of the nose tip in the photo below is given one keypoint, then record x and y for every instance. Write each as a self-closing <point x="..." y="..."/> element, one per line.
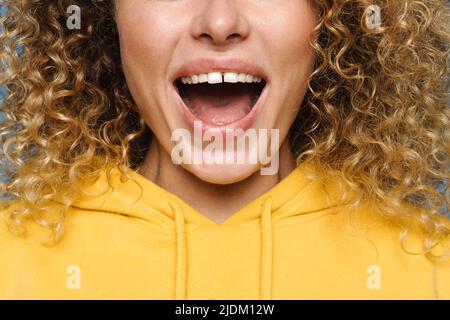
<point x="220" y="23"/>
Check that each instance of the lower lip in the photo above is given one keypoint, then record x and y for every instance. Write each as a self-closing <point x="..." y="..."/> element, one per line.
<point x="243" y="123"/>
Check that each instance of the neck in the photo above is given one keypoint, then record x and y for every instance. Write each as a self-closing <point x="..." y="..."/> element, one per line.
<point x="217" y="202"/>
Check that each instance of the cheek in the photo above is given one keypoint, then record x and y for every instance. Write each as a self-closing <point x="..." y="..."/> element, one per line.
<point x="146" y="38"/>
<point x="289" y="42"/>
<point x="292" y="58"/>
<point x="146" y="41"/>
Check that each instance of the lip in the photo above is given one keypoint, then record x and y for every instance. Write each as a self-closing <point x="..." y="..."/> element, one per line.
<point x="206" y="65"/>
<point x="243" y="123"/>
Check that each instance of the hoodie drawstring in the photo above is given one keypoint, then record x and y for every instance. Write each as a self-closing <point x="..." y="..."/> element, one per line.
<point x="266" y="252"/>
<point x="181" y="258"/>
<point x="266" y="249"/>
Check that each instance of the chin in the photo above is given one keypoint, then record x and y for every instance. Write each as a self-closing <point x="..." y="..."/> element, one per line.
<point x="223" y="174"/>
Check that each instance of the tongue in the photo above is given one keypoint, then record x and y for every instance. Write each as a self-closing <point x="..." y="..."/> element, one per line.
<point x="220" y="104"/>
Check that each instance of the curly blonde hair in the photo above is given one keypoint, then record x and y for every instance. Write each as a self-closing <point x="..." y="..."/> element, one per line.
<point x="376" y="113"/>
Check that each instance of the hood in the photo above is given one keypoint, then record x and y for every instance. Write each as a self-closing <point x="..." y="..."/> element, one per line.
<point x="141" y="198"/>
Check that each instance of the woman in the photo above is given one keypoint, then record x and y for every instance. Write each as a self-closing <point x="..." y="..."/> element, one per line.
<point x="114" y="109"/>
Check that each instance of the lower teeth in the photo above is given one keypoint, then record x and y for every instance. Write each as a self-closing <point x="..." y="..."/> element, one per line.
<point x="255" y="98"/>
<point x="187" y="101"/>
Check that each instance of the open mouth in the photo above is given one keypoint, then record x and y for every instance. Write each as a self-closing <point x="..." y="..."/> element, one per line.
<point x="220" y="104"/>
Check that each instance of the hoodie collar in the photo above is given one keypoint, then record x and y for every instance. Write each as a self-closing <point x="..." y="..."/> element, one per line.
<point x="142" y="198"/>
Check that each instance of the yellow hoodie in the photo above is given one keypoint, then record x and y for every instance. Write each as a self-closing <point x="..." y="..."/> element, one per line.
<point x="294" y="242"/>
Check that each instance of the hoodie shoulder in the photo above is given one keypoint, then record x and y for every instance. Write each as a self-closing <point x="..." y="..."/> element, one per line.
<point x="7" y="238"/>
<point x="442" y="266"/>
<point x="6" y="208"/>
<point x="10" y="248"/>
<point x="385" y="234"/>
<point x="442" y="269"/>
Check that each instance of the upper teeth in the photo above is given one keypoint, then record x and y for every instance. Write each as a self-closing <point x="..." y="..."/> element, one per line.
<point x="219" y="77"/>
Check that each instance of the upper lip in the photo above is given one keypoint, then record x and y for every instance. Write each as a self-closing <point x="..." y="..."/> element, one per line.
<point x="206" y="65"/>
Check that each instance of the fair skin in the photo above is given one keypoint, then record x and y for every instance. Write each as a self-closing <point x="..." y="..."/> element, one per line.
<point x="158" y="37"/>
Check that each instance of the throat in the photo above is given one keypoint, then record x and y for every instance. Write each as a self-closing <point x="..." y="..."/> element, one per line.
<point x="214" y="202"/>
